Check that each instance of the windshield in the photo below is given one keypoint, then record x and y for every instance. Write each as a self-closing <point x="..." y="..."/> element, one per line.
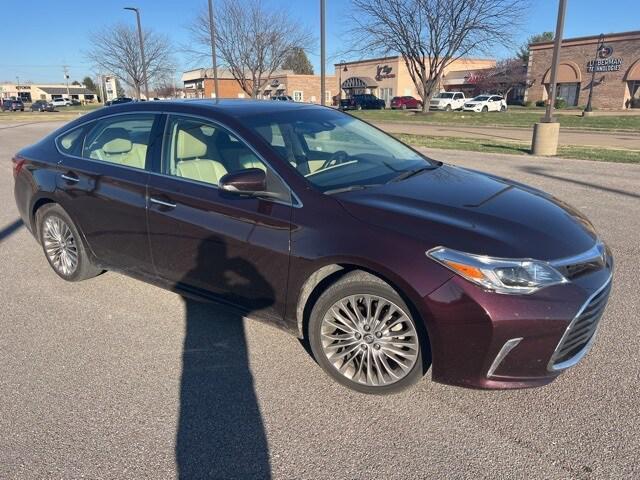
<point x="444" y="95"/>
<point x="481" y="98"/>
<point x="333" y="150"/>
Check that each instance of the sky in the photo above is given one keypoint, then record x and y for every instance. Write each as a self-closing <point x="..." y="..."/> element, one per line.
<point x="35" y="47"/>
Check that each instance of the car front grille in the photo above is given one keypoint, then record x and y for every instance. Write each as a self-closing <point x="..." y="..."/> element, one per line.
<point x="582" y="329"/>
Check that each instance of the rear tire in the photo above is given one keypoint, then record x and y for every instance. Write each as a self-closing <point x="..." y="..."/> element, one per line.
<point x="62" y="244"/>
<point x="485" y="109"/>
<point x="376" y="350"/>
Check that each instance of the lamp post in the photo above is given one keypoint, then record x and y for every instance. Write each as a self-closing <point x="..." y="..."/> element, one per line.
<point x="588" y="109"/>
<point x="547" y="131"/>
<point x="214" y="62"/>
<point x="323" y="58"/>
<point x="144" y="62"/>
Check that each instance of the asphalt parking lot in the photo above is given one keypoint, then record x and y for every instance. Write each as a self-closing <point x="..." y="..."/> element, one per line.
<point x="114" y="378"/>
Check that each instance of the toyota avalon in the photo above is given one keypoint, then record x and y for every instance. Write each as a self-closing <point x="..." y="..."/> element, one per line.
<point x="386" y="262"/>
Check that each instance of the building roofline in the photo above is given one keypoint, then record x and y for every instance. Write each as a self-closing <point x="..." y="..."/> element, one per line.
<point x="399" y="57"/>
<point x="611" y="37"/>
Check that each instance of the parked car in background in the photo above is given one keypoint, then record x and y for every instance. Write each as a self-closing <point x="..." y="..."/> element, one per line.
<point x="42" y="106"/>
<point x="405" y="102"/>
<point x="12" y="105"/>
<point x="362" y="101"/>
<point x="387" y="262"/>
<point x="61" y="102"/>
<point x="447" y="101"/>
<point x="486" y="103"/>
<point x="283" y="98"/>
<point x="118" y="101"/>
<point x="74" y="102"/>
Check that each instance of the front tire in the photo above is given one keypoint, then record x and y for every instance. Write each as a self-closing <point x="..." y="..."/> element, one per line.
<point x="485" y="109"/>
<point x="62" y="244"/>
<point x="363" y="334"/>
<point x="447" y="108"/>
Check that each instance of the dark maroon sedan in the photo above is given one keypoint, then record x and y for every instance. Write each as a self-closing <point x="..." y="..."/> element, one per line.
<point x="385" y="261"/>
<point x="405" y="102"/>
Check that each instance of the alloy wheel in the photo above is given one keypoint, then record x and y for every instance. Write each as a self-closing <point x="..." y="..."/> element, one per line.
<point x="369" y="340"/>
<point x="60" y="245"/>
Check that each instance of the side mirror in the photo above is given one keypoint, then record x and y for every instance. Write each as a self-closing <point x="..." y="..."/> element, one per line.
<point x="249" y="181"/>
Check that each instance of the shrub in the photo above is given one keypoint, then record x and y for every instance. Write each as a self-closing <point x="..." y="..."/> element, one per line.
<point x="560" y="103"/>
<point x="540" y="103"/>
<point x="528" y="103"/>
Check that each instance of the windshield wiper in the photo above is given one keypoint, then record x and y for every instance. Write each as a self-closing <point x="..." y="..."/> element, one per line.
<point x="350" y="188"/>
<point x="410" y="173"/>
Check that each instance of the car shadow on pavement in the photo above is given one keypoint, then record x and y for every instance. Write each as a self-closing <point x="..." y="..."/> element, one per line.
<point x="10" y="229"/>
<point x="541" y="172"/>
<point x="220" y="431"/>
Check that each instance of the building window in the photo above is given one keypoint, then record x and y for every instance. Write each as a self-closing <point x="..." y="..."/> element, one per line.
<point x="298" y="96"/>
<point x="386" y="94"/>
<point x="327" y="97"/>
<point x="634" y="88"/>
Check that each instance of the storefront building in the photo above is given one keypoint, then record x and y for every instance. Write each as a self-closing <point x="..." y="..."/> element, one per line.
<point x="615" y="60"/>
<point x="31" y="92"/>
<point x="389" y="77"/>
<point x="199" y="83"/>
<point x="302" y="88"/>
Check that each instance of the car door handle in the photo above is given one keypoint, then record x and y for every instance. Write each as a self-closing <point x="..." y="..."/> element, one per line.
<point x="69" y="178"/>
<point x="162" y="203"/>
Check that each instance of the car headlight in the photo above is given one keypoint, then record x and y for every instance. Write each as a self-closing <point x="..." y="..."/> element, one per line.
<point x="501" y="275"/>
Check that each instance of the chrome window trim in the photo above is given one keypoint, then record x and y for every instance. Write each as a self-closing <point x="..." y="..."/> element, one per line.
<point x="504" y="351"/>
<point x="580" y="355"/>
<point x="296" y="204"/>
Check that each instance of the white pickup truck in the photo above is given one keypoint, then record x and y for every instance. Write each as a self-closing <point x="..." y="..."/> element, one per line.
<point x="447" y="101"/>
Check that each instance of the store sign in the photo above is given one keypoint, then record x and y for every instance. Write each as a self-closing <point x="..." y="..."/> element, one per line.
<point x="23" y="87"/>
<point x="605" y="62"/>
<point x="384" y="71"/>
<point x="472" y="77"/>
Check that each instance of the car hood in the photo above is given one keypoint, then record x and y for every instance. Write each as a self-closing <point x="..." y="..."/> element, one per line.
<point x="475" y="213"/>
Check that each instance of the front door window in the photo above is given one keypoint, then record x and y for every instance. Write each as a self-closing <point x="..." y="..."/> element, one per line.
<point x="569" y="92"/>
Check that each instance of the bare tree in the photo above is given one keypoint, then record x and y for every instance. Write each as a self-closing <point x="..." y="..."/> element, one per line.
<point x="251" y="39"/>
<point x="116" y="49"/>
<point x="504" y="77"/>
<point x="431" y="34"/>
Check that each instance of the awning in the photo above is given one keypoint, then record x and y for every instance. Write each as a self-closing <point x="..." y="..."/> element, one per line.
<point x="63" y="91"/>
<point x="634" y="72"/>
<point x="568" y="72"/>
<point x="359" y="82"/>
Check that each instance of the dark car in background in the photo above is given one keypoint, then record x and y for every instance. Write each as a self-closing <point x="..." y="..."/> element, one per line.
<point x="12" y="105"/>
<point x="362" y="101"/>
<point x="405" y="102"/>
<point x="42" y="106"/>
<point x="118" y="101"/>
<point x="385" y="261"/>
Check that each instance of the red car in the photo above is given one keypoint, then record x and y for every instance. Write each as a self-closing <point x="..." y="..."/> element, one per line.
<point x="405" y="102"/>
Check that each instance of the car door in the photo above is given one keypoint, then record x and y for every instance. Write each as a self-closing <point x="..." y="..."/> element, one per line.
<point x="102" y="185"/>
<point x="204" y="239"/>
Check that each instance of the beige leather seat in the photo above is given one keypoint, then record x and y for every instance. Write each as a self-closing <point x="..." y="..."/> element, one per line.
<point x="118" y="148"/>
<point x="191" y="162"/>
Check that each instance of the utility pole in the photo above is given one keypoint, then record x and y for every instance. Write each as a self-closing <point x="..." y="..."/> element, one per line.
<point x="214" y="62"/>
<point x="588" y="109"/>
<point x="547" y="131"/>
<point x="144" y="62"/>
<point x="322" y="54"/>
<point x="66" y="78"/>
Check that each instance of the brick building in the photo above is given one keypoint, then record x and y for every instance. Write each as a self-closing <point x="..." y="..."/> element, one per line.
<point x="199" y="83"/>
<point x="387" y="77"/>
<point x="302" y="88"/>
<point x="617" y="71"/>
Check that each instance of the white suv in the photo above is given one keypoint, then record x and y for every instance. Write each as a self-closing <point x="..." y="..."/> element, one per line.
<point x="486" y="103"/>
<point x="61" y="102"/>
<point x="447" y="101"/>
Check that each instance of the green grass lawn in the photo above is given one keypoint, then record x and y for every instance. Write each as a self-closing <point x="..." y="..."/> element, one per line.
<point x="512" y="118"/>
<point x="516" y="148"/>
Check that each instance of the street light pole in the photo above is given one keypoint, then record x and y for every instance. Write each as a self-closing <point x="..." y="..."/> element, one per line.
<point x="214" y="61"/>
<point x="322" y="54"/>
<point x="588" y="108"/>
<point x="144" y="62"/>
<point x="547" y="130"/>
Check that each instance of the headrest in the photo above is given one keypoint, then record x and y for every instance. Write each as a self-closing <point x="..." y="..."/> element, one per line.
<point x="116" y="140"/>
<point x="265" y="132"/>
<point x="189" y="146"/>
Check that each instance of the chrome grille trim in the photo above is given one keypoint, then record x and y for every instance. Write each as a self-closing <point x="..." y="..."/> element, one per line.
<point x="582" y="330"/>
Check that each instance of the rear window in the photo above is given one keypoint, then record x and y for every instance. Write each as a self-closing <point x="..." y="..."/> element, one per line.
<point x="444" y="95"/>
<point x="70" y="142"/>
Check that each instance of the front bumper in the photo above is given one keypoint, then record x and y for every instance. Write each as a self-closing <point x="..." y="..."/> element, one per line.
<point x="481" y="339"/>
<point x="476" y="108"/>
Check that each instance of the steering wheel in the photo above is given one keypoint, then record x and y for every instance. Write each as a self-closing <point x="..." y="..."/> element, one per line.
<point x="336" y="158"/>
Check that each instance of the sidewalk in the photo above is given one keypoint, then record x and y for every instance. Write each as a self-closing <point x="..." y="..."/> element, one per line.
<point x="624" y="140"/>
